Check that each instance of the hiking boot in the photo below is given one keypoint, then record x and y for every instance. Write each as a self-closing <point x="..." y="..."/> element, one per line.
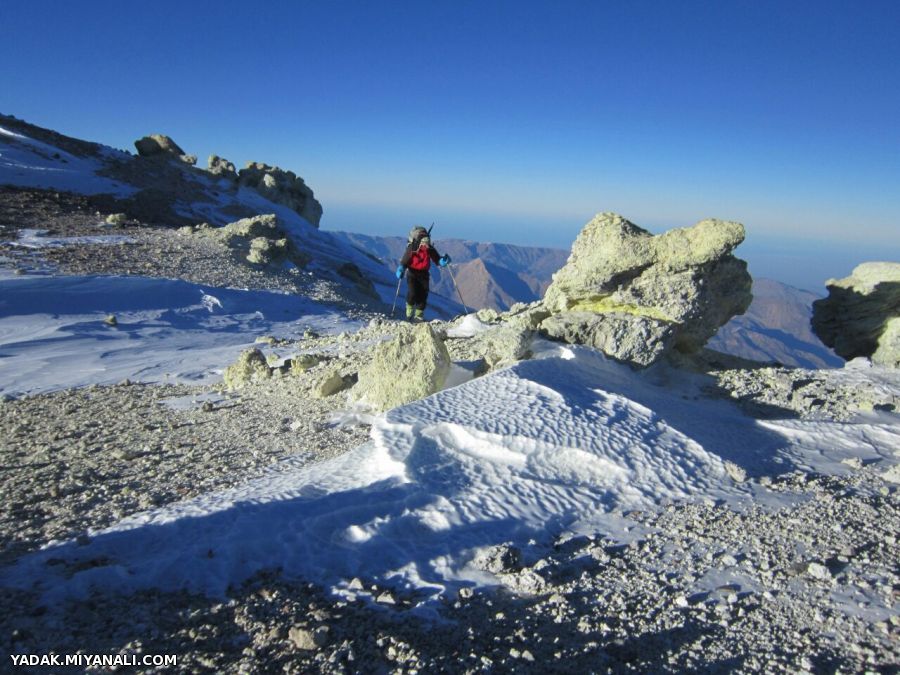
<point x="410" y="310"/>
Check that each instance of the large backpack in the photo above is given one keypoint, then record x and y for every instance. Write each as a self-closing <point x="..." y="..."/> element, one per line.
<point x="415" y="234"/>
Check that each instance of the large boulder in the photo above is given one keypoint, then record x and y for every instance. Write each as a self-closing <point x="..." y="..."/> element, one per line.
<point x="861" y="315"/>
<point x="250" y="367"/>
<point x="635" y="296"/>
<point x="413" y="365"/>
<point x="219" y="166"/>
<point x="260" y="240"/>
<point x="282" y="187"/>
<point x="159" y="144"/>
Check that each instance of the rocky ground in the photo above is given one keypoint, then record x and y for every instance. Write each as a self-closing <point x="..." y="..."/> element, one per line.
<point x="820" y="584"/>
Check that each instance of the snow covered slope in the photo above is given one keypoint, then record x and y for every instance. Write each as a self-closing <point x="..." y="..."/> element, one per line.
<point x="178" y="194"/>
<point x="567" y="443"/>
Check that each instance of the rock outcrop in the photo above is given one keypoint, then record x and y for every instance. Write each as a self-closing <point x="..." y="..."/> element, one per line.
<point x="219" y="166"/>
<point x="861" y="315"/>
<point x="259" y="240"/>
<point x="282" y="187"/>
<point x="635" y="296"/>
<point x="251" y="366"/>
<point x="159" y="145"/>
<point x="413" y="365"/>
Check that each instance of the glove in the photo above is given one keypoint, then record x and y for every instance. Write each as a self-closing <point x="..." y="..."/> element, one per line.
<point x="444" y="260"/>
<point x="399" y="271"/>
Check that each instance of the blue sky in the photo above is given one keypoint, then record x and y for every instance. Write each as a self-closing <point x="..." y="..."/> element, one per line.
<point x="506" y="121"/>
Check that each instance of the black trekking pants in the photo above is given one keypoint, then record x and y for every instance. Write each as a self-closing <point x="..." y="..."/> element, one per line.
<point x="417" y="288"/>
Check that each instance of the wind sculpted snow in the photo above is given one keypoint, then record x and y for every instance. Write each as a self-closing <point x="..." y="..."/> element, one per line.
<point x="53" y="333"/>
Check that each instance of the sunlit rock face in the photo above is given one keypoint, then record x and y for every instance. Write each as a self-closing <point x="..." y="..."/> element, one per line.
<point x="636" y="296"/>
<point x="861" y="315"/>
<point x="282" y="187"/>
<point x="413" y="365"/>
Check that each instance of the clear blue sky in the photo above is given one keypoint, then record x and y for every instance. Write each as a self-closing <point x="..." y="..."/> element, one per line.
<point x="506" y="121"/>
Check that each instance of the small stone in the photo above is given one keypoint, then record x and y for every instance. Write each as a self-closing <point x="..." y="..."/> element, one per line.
<point x="386" y="598"/>
<point x="111" y="320"/>
<point x="329" y="385"/>
<point x="302" y="638"/>
<point x="818" y="571"/>
<point x="853" y="462"/>
<point x="736" y="473"/>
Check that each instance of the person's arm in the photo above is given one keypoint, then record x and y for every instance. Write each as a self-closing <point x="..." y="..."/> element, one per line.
<point x="433" y="254"/>
<point x="442" y="260"/>
<point x="407" y="254"/>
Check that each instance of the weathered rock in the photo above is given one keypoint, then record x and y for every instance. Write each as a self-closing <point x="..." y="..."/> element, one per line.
<point x="861" y="315"/>
<point x="638" y="340"/>
<point x="265" y="225"/>
<point x="219" y="166"/>
<point x="261" y="240"/>
<point x="308" y="640"/>
<point x="506" y="345"/>
<point x="282" y="187"/>
<point x="157" y="144"/>
<point x="265" y="251"/>
<point x="413" y="365"/>
<point x="526" y="316"/>
<point x="501" y="559"/>
<point x="331" y="383"/>
<point x="251" y="366"/>
<point x="300" y="364"/>
<point x="623" y="288"/>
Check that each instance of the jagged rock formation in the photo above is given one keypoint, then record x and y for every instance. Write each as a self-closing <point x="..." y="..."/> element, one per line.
<point x="635" y="296"/>
<point x="413" y="365"/>
<point x="282" y="187"/>
<point x="259" y="240"/>
<point x="861" y="315"/>
<point x="218" y="166"/>
<point x="156" y="145"/>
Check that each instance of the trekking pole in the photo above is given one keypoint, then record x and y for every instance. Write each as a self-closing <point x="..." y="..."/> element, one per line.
<point x="457" y="289"/>
<point x="396" y="295"/>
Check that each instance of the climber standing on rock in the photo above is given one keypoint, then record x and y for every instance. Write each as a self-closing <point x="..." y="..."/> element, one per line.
<point x="417" y="260"/>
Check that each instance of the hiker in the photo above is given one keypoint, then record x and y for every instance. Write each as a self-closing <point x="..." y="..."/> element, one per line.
<point x="417" y="259"/>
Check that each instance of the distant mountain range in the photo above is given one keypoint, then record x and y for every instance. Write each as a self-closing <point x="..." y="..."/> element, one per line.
<point x="488" y="275"/>
<point x="775" y="328"/>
